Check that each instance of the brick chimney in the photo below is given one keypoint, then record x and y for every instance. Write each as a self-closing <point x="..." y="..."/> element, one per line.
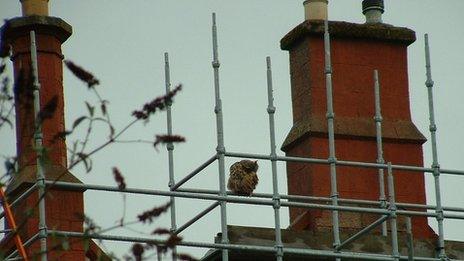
<point x="357" y="50"/>
<point x="62" y="207"/>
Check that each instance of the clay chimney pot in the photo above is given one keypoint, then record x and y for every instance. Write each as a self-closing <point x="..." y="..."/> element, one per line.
<point x="34" y="7"/>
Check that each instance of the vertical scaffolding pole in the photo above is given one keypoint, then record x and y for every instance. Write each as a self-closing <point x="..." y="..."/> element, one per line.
<point x="410" y="240"/>
<point x="220" y="142"/>
<point x="380" y="159"/>
<point x="170" y="148"/>
<point x="435" y="166"/>
<point x="275" y="185"/>
<point x="392" y="208"/>
<point x="38" y="138"/>
<point x="330" y="126"/>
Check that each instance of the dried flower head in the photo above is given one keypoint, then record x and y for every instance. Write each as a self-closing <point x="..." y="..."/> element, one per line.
<point x="168" y="139"/>
<point x="159" y="103"/>
<point x="82" y="74"/>
<point x="149" y="215"/>
<point x="137" y="251"/>
<point x="49" y="109"/>
<point x="119" y="178"/>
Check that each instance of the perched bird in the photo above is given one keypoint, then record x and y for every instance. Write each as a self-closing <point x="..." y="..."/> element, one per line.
<point x="242" y="177"/>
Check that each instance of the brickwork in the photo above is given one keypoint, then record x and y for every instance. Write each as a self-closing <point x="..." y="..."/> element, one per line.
<point x="354" y="58"/>
<point x="64" y="209"/>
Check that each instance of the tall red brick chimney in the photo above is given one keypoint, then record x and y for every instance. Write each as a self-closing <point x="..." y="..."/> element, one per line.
<point x="62" y="207"/>
<point x="357" y="50"/>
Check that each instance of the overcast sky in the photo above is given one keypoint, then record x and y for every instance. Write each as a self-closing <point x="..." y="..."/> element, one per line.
<point x="123" y="42"/>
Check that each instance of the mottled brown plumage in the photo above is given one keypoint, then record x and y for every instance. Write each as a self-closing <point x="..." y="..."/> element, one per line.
<point x="243" y="178"/>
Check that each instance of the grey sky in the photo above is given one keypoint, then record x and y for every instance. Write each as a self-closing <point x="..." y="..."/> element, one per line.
<point x="122" y="43"/>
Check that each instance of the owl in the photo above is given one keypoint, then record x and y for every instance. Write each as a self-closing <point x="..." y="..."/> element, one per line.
<point x="243" y="178"/>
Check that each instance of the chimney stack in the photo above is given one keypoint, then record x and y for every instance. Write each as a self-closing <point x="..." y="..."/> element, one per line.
<point x="315" y="9"/>
<point x="373" y="10"/>
<point x="356" y="50"/>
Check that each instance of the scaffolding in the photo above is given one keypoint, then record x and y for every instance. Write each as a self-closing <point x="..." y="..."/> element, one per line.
<point x="386" y="206"/>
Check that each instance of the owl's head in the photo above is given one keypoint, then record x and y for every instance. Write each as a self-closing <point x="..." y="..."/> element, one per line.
<point x="250" y="165"/>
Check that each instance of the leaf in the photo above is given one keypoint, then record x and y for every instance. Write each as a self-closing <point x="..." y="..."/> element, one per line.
<point x="86" y="244"/>
<point x="111" y="131"/>
<point x="90" y="108"/>
<point x="103" y="108"/>
<point x="78" y="121"/>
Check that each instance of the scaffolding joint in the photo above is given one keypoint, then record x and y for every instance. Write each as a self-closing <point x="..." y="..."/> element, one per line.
<point x="439" y="214"/>
<point x="378" y="118"/>
<point x="383" y="202"/>
<point x="332" y="160"/>
<point x="433" y="127"/>
<point x="38" y="135"/>
<point x="330" y="115"/>
<point x="429" y="83"/>
<point x="221" y="150"/>
<point x="279" y="250"/>
<point x="217" y="108"/>
<point x="43" y="232"/>
<point x="216" y="64"/>
<point x="273" y="156"/>
<point x="170" y="146"/>
<point x="271" y="109"/>
<point x="276" y="202"/>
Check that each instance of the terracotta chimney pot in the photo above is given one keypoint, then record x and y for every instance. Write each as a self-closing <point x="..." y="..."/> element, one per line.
<point x="34" y="7"/>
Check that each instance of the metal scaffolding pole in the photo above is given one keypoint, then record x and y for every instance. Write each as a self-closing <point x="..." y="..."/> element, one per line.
<point x="194" y="172"/>
<point x="393" y="212"/>
<point x="220" y="141"/>
<point x="435" y="165"/>
<point x="38" y="138"/>
<point x="275" y="185"/>
<point x="326" y="199"/>
<point x="197" y="217"/>
<point x="303" y="251"/>
<point x="170" y="148"/>
<point x="410" y="240"/>
<point x="362" y="232"/>
<point x="241" y="200"/>
<point x="378" y="128"/>
<point x="330" y="127"/>
<point x="344" y="163"/>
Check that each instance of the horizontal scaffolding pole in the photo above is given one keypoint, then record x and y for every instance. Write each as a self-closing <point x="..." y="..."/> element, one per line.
<point x="326" y="199"/>
<point x="195" y="172"/>
<point x="197" y="217"/>
<point x="242" y="200"/>
<point x="343" y="163"/>
<point x="303" y="251"/>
